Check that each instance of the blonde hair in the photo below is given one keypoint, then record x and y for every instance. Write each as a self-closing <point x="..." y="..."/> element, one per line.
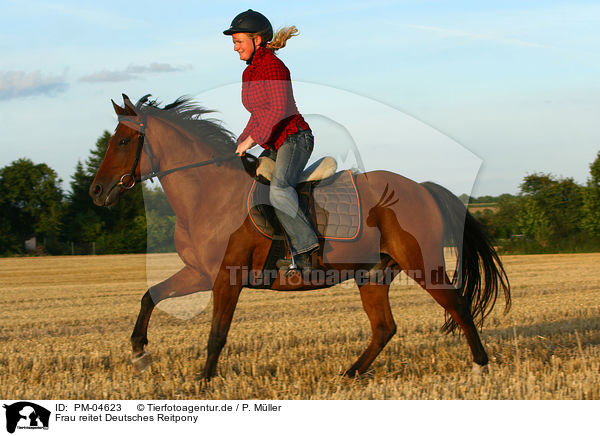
<point x="280" y="38"/>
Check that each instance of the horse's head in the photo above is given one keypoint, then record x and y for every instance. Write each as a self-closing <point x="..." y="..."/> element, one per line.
<point x="120" y="165"/>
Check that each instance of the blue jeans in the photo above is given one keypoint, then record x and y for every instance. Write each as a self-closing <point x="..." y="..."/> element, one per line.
<point x="290" y="160"/>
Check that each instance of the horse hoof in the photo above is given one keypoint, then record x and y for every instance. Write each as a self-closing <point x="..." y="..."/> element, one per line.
<point x="142" y="362"/>
<point x="480" y="369"/>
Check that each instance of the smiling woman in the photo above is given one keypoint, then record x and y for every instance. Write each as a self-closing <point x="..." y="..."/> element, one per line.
<point x="244" y="45"/>
<point x="276" y="125"/>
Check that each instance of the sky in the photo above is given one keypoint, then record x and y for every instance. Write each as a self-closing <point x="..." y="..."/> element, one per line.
<point x="474" y="95"/>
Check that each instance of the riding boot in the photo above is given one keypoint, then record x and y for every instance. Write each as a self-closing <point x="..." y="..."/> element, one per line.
<point x="303" y="261"/>
<point x="283" y="263"/>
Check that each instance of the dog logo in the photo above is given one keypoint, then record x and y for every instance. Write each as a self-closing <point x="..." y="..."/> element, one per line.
<point x="26" y="415"/>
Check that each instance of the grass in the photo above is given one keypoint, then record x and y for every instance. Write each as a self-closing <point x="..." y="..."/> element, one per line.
<point x="65" y="324"/>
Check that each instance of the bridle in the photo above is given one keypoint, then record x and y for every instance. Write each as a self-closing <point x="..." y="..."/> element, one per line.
<point x="128" y="180"/>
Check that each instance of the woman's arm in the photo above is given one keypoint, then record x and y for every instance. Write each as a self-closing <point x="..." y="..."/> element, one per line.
<point x="245" y="145"/>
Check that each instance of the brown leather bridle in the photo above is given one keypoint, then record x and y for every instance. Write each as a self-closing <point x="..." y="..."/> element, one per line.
<point x="128" y="180"/>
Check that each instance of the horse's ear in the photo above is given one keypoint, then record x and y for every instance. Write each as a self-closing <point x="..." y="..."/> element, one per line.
<point x="118" y="109"/>
<point x="129" y="106"/>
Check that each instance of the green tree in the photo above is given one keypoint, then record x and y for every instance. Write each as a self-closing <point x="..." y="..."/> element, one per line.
<point x="120" y="229"/>
<point x="553" y="208"/>
<point x="160" y="220"/>
<point x="591" y="200"/>
<point x="82" y="223"/>
<point x="504" y="222"/>
<point x="31" y="204"/>
<point x="97" y="154"/>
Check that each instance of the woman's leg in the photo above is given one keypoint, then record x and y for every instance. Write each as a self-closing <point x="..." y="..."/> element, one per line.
<point x="292" y="157"/>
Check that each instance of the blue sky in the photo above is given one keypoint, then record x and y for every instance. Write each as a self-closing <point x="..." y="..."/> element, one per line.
<point x="514" y="83"/>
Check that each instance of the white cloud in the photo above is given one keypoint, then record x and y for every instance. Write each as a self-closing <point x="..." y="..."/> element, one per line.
<point x="15" y="84"/>
<point x="156" y="67"/>
<point x="108" y="76"/>
<point x="132" y="72"/>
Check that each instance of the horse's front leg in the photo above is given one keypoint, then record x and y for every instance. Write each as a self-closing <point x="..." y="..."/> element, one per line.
<point x="185" y="281"/>
<point x="139" y="339"/>
<point x="226" y="293"/>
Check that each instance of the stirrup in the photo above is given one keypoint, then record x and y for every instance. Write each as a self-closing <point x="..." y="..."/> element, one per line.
<point x="291" y="264"/>
<point x="284" y="264"/>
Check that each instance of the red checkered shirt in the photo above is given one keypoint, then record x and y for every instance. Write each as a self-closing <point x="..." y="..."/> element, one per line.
<point x="267" y="95"/>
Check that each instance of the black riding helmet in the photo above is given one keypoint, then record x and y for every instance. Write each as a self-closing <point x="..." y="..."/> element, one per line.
<point x="251" y="22"/>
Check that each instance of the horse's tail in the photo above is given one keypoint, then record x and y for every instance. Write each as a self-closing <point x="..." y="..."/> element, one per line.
<point x="475" y="257"/>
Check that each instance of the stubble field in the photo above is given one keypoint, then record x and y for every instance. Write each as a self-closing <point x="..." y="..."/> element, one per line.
<point x="65" y="325"/>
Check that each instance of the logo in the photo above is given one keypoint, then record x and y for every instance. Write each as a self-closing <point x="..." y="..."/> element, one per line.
<point x="26" y="415"/>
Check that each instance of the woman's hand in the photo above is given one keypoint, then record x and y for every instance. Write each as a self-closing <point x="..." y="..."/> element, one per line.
<point x="245" y="145"/>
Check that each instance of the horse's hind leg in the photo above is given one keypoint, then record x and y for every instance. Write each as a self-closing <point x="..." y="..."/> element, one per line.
<point x="184" y="282"/>
<point x="225" y="297"/>
<point x="454" y="303"/>
<point x="376" y="303"/>
<point x="451" y="300"/>
<point x="424" y="258"/>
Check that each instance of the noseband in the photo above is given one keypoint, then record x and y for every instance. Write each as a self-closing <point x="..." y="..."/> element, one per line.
<point x="128" y="180"/>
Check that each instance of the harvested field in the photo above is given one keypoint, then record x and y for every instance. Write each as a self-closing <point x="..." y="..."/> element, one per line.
<point x="66" y="321"/>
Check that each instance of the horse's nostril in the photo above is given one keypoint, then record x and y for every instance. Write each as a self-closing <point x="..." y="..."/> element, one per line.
<point x="97" y="189"/>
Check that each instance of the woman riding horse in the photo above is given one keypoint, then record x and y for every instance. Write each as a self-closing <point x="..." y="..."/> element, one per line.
<point x="275" y="124"/>
<point x="404" y="225"/>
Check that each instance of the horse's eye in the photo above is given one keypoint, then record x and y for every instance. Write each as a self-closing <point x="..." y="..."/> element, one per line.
<point x="124" y="141"/>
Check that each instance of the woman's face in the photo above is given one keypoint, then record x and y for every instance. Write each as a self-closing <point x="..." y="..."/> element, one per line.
<point x="242" y="43"/>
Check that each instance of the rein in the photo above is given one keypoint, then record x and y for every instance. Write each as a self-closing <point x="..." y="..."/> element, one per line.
<point x="128" y="180"/>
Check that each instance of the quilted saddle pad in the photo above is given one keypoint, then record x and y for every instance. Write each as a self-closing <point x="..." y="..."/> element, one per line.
<point x="336" y="207"/>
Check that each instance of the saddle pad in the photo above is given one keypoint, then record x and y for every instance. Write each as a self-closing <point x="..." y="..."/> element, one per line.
<point x="336" y="204"/>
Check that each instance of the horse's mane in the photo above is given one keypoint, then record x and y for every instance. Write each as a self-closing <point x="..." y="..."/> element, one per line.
<point x="188" y="114"/>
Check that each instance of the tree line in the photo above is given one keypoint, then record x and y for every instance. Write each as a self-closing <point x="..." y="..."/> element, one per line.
<point x="33" y="204"/>
<point x="549" y="214"/>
